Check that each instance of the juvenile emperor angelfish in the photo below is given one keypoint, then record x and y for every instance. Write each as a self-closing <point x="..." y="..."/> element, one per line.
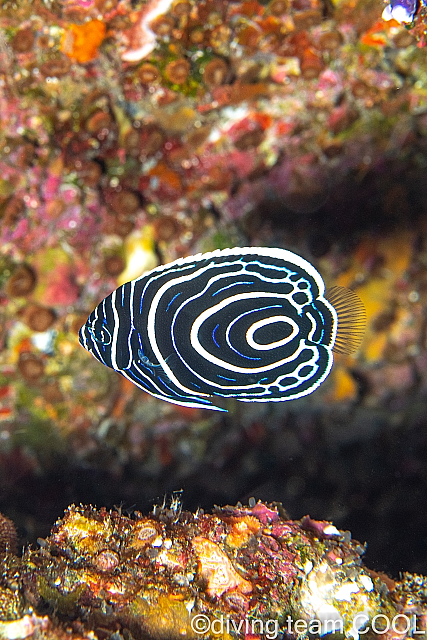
<point x="249" y="323"/>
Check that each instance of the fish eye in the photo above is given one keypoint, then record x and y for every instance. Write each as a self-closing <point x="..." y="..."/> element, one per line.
<point x="101" y="335"/>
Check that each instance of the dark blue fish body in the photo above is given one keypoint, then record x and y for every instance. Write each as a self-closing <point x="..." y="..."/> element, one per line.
<point x="248" y="323"/>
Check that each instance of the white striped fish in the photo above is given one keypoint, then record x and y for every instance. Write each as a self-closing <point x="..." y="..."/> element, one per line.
<point x="251" y="323"/>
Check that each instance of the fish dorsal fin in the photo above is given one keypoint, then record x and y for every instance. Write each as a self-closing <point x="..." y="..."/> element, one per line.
<point x="351" y="319"/>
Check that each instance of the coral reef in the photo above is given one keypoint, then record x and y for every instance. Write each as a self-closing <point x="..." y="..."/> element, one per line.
<point x="133" y="133"/>
<point x="240" y="572"/>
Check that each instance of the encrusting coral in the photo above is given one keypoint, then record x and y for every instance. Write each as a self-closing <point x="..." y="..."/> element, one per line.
<point x="243" y="571"/>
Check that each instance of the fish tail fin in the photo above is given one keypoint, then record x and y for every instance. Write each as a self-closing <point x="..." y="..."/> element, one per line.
<point x="351" y="319"/>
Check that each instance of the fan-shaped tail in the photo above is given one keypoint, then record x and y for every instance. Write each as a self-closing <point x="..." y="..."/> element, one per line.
<point x="351" y="319"/>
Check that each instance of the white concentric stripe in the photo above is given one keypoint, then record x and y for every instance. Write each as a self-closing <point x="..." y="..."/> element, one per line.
<point x="301" y="394"/>
<point x="255" y="384"/>
<point x="195" y="342"/>
<point x="279" y="254"/>
<point x="272" y="345"/>
<point x="335" y="323"/>
<point x="313" y="326"/>
<point x="115" y="336"/>
<point x="83" y="334"/>
<point x="94" y="342"/>
<point x="115" y="332"/>
<point x="174" y="282"/>
<point x="161" y="396"/>
<point x="242" y="315"/>
<point x="153" y="310"/>
<point x="132" y="326"/>
<point x="294" y="374"/>
<point x="151" y="330"/>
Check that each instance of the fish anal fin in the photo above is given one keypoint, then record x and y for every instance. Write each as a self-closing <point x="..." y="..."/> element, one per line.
<point x="194" y="403"/>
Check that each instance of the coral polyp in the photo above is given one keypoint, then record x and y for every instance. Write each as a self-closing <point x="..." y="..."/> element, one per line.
<point x="22" y="281"/>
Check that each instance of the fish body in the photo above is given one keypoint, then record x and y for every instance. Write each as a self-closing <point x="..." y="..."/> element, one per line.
<point x="249" y="323"/>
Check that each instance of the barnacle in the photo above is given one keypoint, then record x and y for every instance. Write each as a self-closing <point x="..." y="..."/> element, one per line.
<point x="403" y="39"/>
<point x="197" y="35"/>
<point x="163" y="25"/>
<point x="330" y="40"/>
<point x="38" y="318"/>
<point x="113" y="265"/>
<point x="120" y="225"/>
<point x="22" y="281"/>
<point x="278" y="7"/>
<point x="30" y="366"/>
<point x="13" y="210"/>
<point x="148" y="73"/>
<point x="166" y="228"/>
<point x="311" y="65"/>
<point x="144" y="533"/>
<point x="181" y="8"/>
<point x="306" y="19"/>
<point x="23" y="40"/>
<point x="52" y="392"/>
<point x="107" y="560"/>
<point x="90" y="172"/>
<point x="125" y="202"/>
<point x="178" y="71"/>
<point x="56" y="67"/>
<point x="215" y="72"/>
<point x="249" y="139"/>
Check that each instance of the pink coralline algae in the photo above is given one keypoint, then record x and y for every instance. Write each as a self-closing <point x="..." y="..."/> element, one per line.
<point x="321" y="528"/>
<point x="173" y="574"/>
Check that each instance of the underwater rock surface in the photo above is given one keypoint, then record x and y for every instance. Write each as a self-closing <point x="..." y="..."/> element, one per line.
<point x="238" y="572"/>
